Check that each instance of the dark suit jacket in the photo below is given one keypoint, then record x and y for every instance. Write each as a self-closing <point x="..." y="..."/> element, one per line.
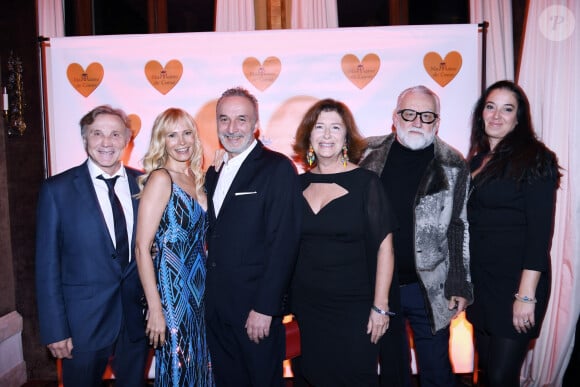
<point x="252" y="245"/>
<point x="82" y="291"/>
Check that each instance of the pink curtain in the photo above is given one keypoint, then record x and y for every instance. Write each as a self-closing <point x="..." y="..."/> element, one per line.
<point x="50" y="18"/>
<point x="314" y="14"/>
<point x="235" y="15"/>
<point x="500" y="49"/>
<point x="550" y="75"/>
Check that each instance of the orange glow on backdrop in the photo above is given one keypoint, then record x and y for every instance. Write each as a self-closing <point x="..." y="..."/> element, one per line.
<point x="461" y="345"/>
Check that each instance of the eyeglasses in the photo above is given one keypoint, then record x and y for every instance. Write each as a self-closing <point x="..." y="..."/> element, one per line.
<point x="425" y="117"/>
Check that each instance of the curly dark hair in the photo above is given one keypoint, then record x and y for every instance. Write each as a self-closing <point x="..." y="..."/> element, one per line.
<point x="520" y="155"/>
<point x="355" y="141"/>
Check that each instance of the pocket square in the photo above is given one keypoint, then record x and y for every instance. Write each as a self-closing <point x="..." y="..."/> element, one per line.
<point x="245" y="193"/>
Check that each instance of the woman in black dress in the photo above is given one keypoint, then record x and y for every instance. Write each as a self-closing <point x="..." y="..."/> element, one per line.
<point x="340" y="288"/>
<point x="510" y="212"/>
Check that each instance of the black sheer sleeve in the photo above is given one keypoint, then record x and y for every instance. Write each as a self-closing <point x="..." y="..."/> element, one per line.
<point x="380" y="221"/>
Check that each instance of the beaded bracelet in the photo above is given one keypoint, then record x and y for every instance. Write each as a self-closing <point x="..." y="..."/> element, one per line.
<point x="383" y="312"/>
<point x="525" y="299"/>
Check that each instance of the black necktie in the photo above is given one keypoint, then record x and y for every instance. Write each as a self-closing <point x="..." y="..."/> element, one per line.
<point x="121" y="237"/>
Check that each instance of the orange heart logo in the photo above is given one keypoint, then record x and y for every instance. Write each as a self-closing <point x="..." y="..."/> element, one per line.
<point x="262" y="75"/>
<point x="360" y="73"/>
<point x="163" y="78"/>
<point x="85" y="82"/>
<point x="134" y="124"/>
<point x="442" y="70"/>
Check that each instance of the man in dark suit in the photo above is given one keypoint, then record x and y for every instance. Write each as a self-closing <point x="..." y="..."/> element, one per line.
<point x="254" y="215"/>
<point x="87" y="283"/>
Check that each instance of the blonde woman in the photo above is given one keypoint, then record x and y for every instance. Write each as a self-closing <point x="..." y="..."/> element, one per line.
<point x="170" y="250"/>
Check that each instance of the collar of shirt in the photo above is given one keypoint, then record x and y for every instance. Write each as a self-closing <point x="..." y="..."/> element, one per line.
<point x="95" y="171"/>
<point x="228" y="173"/>
<point x="235" y="162"/>
<point x="123" y="193"/>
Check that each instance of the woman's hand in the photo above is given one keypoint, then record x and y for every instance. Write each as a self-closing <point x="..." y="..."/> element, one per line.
<point x="523" y="316"/>
<point x="155" y="329"/>
<point x="525" y="302"/>
<point x="218" y="159"/>
<point x="379" y="317"/>
<point x="377" y="326"/>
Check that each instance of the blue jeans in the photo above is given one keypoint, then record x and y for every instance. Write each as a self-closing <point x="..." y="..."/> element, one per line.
<point x="431" y="350"/>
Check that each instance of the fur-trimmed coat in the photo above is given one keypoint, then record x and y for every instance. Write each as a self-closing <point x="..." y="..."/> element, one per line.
<point x="441" y="229"/>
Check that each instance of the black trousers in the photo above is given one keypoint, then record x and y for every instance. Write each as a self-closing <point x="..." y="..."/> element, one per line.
<point x="239" y="362"/>
<point x="499" y="359"/>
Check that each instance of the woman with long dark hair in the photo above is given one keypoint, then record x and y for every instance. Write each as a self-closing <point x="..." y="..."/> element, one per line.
<point x="510" y="212"/>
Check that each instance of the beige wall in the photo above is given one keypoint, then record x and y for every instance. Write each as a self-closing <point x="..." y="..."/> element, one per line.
<point x="279" y="12"/>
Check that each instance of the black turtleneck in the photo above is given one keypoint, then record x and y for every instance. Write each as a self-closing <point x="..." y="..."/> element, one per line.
<point x="401" y="176"/>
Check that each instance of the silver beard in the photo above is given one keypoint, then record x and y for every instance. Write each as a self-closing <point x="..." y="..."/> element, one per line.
<point x="415" y="141"/>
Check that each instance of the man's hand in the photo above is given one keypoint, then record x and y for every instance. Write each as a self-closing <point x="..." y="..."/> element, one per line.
<point x="258" y="326"/>
<point x="458" y="303"/>
<point x="61" y="349"/>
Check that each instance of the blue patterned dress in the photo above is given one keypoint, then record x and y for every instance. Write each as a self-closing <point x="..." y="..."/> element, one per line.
<point x="179" y="264"/>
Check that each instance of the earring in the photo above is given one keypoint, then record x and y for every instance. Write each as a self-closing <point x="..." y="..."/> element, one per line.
<point x="344" y="157"/>
<point x="310" y="156"/>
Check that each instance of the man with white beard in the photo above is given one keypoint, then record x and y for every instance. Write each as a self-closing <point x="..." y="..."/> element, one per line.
<point x="427" y="182"/>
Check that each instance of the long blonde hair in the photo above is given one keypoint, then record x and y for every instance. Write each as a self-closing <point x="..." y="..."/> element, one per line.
<point x="156" y="155"/>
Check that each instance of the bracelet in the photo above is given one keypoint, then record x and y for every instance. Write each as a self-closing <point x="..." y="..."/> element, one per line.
<point x="525" y="299"/>
<point x="383" y="312"/>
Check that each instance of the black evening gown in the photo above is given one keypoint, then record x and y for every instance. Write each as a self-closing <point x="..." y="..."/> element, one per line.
<point x="510" y="228"/>
<point x="333" y="284"/>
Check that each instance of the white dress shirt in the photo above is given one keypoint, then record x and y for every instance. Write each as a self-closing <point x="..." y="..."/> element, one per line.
<point x="123" y="193"/>
<point x="229" y="169"/>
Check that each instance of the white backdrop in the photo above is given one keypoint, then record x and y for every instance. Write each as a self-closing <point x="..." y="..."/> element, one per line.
<point x="287" y="70"/>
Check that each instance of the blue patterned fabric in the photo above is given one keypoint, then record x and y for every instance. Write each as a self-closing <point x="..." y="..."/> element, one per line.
<point x="184" y="360"/>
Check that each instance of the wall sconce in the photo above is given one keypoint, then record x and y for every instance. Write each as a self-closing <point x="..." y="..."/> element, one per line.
<point x="13" y="98"/>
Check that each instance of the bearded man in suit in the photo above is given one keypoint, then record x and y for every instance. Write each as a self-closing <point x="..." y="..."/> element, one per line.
<point x="254" y="228"/>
